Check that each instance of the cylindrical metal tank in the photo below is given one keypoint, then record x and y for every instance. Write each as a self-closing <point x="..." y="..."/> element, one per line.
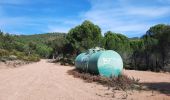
<point x="103" y="62"/>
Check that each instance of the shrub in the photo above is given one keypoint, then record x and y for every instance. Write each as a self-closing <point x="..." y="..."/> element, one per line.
<point x="121" y="82"/>
<point x="23" y="56"/>
<point x="19" y="55"/>
<point x="33" y="58"/>
<point x="4" y="53"/>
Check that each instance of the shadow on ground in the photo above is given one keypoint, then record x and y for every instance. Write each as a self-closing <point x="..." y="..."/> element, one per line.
<point x="162" y="87"/>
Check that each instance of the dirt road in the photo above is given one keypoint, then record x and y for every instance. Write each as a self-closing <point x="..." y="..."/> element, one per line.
<point x="48" y="81"/>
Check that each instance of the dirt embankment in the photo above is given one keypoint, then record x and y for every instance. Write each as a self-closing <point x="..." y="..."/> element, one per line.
<point x="48" y="81"/>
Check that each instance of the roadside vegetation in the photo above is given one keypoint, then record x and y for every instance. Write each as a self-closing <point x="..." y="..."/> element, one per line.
<point x="122" y="82"/>
<point x="11" y="49"/>
<point x="149" y="52"/>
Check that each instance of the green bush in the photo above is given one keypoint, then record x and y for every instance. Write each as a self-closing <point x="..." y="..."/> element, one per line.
<point x="4" y="53"/>
<point x="25" y="57"/>
<point x="31" y="58"/>
<point x="19" y="55"/>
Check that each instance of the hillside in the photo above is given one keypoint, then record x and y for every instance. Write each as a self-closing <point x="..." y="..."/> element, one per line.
<point x="39" y="38"/>
<point x="27" y="47"/>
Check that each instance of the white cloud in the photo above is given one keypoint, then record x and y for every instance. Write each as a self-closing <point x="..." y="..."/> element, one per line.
<point x="148" y="11"/>
<point x="14" y="24"/>
<point x="124" y="15"/>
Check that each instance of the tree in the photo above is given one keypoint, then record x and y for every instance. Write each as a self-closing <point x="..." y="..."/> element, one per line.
<point x="31" y="47"/>
<point x="116" y="41"/>
<point x="157" y="45"/>
<point x="57" y="45"/>
<point x="44" y="51"/>
<point x="137" y="57"/>
<point x="19" y="46"/>
<point x="156" y="31"/>
<point x="7" y="41"/>
<point x="84" y="36"/>
<point x="1" y="38"/>
<point x="164" y="45"/>
<point x="119" y="43"/>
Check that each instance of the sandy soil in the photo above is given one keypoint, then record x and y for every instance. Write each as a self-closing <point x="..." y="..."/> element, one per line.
<point x="158" y="85"/>
<point x="48" y="81"/>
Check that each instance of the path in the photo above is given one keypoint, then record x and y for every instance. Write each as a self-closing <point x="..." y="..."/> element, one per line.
<point x="48" y="81"/>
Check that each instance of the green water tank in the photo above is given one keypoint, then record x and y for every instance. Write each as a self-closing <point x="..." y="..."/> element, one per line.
<point x="98" y="61"/>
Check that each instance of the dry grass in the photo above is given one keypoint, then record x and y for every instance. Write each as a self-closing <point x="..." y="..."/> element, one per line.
<point x="121" y="82"/>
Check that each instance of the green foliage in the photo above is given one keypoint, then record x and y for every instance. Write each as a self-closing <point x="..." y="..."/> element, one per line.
<point x="159" y="45"/>
<point x="44" y="51"/>
<point x="25" y="57"/>
<point x="84" y="36"/>
<point x="4" y="53"/>
<point x="41" y="44"/>
<point x="136" y="61"/>
<point x="11" y="48"/>
<point x="38" y="38"/>
<point x="119" y="43"/>
<point x="57" y="45"/>
<point x="19" y="46"/>
<point x="6" y="41"/>
<point x="156" y="31"/>
<point x="32" y="58"/>
<point x="150" y="52"/>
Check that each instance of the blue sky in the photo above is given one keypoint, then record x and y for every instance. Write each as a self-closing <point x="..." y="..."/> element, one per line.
<point x="130" y="17"/>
